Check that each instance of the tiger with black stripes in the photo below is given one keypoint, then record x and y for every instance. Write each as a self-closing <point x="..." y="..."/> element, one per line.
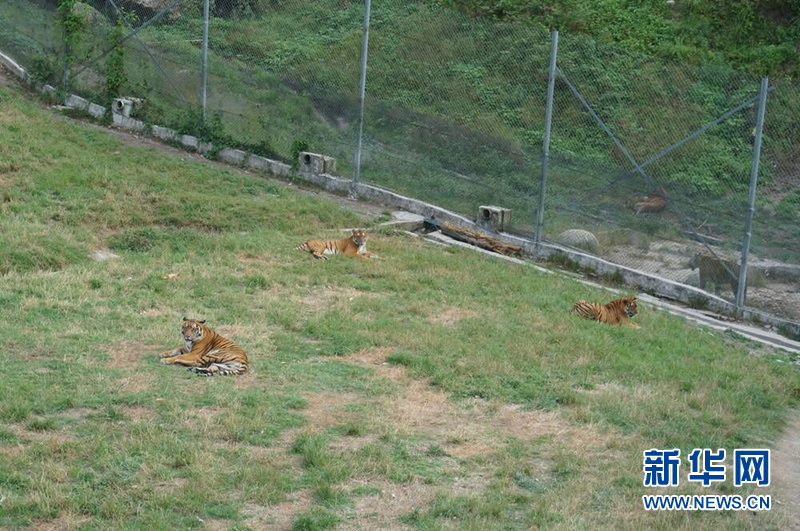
<point x="355" y="245"/>
<point x="618" y="311"/>
<point x="206" y="352"/>
<point x="712" y="269"/>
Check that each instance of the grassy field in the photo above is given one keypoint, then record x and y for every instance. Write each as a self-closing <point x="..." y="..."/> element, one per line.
<point x="431" y="389"/>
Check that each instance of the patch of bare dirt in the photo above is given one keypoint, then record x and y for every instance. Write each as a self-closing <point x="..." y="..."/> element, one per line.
<point x="325" y="410"/>
<point x="278" y="517"/>
<point x="130" y="354"/>
<point x="326" y="296"/>
<point x="451" y="316"/>
<point x="138" y="413"/>
<point x="216" y="524"/>
<point x="256" y="260"/>
<point x="381" y="510"/>
<point x="12" y="451"/>
<point x="49" y="437"/>
<point x="785" y="468"/>
<point x="136" y="382"/>
<point x="467" y="429"/>
<point x="64" y="522"/>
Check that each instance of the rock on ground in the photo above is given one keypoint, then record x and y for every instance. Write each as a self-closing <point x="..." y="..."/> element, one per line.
<point x="582" y="239"/>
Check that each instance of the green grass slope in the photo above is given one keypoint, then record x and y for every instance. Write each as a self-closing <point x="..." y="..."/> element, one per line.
<point x="500" y="410"/>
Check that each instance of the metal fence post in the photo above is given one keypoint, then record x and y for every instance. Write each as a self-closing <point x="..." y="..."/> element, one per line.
<point x="361" y="92"/>
<point x="204" y="65"/>
<point x="551" y="81"/>
<point x="66" y="68"/>
<point x="751" y="198"/>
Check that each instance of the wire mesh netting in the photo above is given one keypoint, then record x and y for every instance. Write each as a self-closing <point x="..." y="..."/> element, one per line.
<point x="614" y="110"/>
<point x="454" y="115"/>
<point x="454" y="109"/>
<point x="29" y="34"/>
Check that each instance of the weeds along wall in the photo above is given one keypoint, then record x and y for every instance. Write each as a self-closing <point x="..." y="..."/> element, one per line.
<point x="454" y="114"/>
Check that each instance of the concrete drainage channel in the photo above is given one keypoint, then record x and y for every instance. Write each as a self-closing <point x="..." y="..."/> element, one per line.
<point x="318" y="169"/>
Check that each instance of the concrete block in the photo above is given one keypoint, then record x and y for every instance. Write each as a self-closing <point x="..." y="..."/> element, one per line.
<point x="127" y="123"/>
<point x="164" y="133"/>
<point x="494" y="218"/>
<point x="74" y="101"/>
<point x="258" y="163"/>
<point x="189" y="141"/>
<point x="316" y="164"/>
<point x="98" y="111"/>
<point x="233" y="156"/>
<point x="13" y="66"/>
<point x="280" y="168"/>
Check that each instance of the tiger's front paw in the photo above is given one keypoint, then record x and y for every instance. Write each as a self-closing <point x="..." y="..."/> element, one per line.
<point x="169" y="353"/>
<point x="168" y="361"/>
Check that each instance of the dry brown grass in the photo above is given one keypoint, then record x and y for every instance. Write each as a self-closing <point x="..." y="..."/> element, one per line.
<point x="64" y="522"/>
<point x="278" y="517"/>
<point x="130" y="354"/>
<point x="471" y="427"/>
<point x="451" y="316"/>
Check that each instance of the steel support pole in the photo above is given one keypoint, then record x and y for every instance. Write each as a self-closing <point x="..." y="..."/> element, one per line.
<point x="66" y="68"/>
<point x="751" y="197"/>
<point x="204" y="65"/>
<point x="548" y="117"/>
<point x="362" y="87"/>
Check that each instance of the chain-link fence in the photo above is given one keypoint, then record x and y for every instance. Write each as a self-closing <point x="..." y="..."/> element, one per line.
<point x="650" y="156"/>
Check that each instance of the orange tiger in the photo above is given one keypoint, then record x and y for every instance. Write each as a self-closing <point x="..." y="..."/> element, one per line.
<point x="206" y="352"/>
<point x="618" y="311"/>
<point x="652" y="203"/>
<point x="355" y="245"/>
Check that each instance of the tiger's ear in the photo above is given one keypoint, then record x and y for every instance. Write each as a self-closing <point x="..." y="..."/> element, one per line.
<point x="185" y="318"/>
<point x="202" y="322"/>
<point x="355" y="231"/>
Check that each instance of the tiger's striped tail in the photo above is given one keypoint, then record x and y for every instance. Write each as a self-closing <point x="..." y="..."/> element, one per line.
<point x="230" y="368"/>
<point x="303" y="247"/>
<point x="586" y="309"/>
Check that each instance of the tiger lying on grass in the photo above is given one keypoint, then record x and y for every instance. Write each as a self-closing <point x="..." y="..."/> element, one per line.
<point x="205" y="352"/>
<point x="355" y="245"/>
<point x="618" y="311"/>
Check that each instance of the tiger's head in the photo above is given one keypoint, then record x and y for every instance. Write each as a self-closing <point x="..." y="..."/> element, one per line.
<point x="629" y="306"/>
<point x="359" y="237"/>
<point x="192" y="331"/>
<point x="694" y="263"/>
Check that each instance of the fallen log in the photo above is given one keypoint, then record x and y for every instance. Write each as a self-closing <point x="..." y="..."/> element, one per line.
<point x="479" y="240"/>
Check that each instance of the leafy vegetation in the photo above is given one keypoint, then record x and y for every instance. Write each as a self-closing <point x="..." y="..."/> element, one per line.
<point x="761" y="36"/>
<point x="116" y="77"/>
